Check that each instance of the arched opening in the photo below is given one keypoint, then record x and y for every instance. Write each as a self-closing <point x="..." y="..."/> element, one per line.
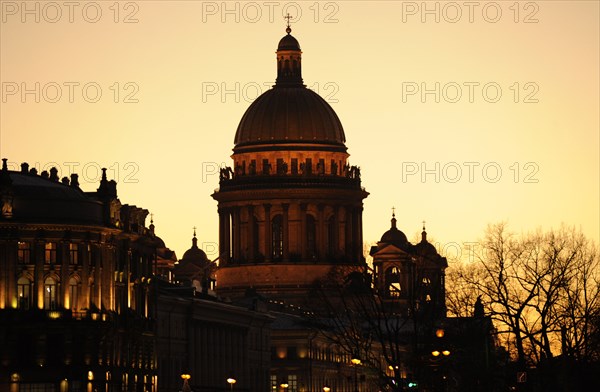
<point x="73" y="293"/>
<point x="255" y="238"/>
<point x="277" y="237"/>
<point x="311" y="237"/>
<point x="24" y="293"/>
<point x="50" y="290"/>
<point x="392" y="282"/>
<point x="331" y="245"/>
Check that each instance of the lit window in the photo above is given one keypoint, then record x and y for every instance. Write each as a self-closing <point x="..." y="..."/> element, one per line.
<point x="426" y="281"/>
<point x="277" y="234"/>
<point x="73" y="254"/>
<point x="292" y="383"/>
<point x="24" y="253"/>
<point x="274" y="382"/>
<point x="50" y="253"/>
<point x="394" y="289"/>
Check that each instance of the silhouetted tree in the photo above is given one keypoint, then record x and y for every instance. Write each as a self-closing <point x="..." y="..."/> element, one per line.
<point x="541" y="289"/>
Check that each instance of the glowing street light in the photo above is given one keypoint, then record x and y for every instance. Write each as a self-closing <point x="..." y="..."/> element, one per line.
<point x="231" y="381"/>
<point x="326" y="389"/>
<point x="186" y="385"/>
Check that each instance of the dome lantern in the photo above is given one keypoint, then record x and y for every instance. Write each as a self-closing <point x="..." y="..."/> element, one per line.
<point x="289" y="69"/>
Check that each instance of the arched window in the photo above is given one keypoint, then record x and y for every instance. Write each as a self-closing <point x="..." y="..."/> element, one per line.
<point x="255" y="236"/>
<point x="392" y="281"/>
<point x="23" y="292"/>
<point x="311" y="237"/>
<point x="73" y="293"/>
<point x="331" y="245"/>
<point x="277" y="234"/>
<point x="50" y="288"/>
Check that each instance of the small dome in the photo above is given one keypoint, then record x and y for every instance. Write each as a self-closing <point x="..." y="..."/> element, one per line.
<point x="288" y="42"/>
<point x="426" y="249"/>
<point x="194" y="255"/>
<point x="394" y="236"/>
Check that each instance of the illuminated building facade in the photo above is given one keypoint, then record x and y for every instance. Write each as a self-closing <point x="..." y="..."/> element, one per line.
<point x="75" y="300"/>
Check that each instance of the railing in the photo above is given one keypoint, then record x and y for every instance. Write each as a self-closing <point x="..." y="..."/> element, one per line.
<point x="229" y="181"/>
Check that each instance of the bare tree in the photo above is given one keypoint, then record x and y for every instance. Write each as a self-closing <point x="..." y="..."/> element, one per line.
<point x="541" y="289"/>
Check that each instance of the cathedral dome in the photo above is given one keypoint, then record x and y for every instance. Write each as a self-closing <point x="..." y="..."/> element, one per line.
<point x="290" y="114"/>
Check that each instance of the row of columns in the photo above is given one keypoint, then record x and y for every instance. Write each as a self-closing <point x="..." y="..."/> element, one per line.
<point x="230" y="232"/>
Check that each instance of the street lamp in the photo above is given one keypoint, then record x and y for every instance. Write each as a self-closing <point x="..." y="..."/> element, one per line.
<point x="186" y="386"/>
<point x="231" y="381"/>
<point x="356" y="361"/>
<point x="326" y="389"/>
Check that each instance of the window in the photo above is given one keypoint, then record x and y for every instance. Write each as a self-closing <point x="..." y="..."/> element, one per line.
<point x="23" y="292"/>
<point x="274" y="385"/>
<point x="294" y="165"/>
<point x="73" y="254"/>
<point x="392" y="279"/>
<point x="277" y="235"/>
<point x="73" y="293"/>
<point x="50" y="294"/>
<point x="292" y="353"/>
<point x="255" y="237"/>
<point x="331" y="245"/>
<point x="50" y="253"/>
<point x="308" y="166"/>
<point x="394" y="289"/>
<point x="292" y="383"/>
<point x="24" y="253"/>
<point x="311" y="237"/>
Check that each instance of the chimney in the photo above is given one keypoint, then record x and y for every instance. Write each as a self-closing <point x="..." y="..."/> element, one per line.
<point x="54" y="174"/>
<point x="24" y="167"/>
<point x="65" y="180"/>
<point x="74" y="180"/>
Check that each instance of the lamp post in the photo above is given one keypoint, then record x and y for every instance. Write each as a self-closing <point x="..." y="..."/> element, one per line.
<point x="186" y="385"/>
<point x="355" y="361"/>
<point x="231" y="381"/>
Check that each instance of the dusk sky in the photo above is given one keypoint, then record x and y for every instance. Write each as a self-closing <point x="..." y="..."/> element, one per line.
<point x="458" y="113"/>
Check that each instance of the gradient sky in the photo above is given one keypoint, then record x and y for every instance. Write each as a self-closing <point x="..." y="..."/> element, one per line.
<point x="176" y="81"/>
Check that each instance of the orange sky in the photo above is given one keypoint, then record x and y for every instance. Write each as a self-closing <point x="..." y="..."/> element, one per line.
<point x="514" y="136"/>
